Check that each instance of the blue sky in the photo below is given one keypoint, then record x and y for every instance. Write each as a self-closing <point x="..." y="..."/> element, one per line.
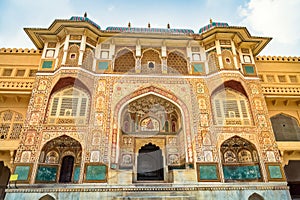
<point x="278" y="19"/>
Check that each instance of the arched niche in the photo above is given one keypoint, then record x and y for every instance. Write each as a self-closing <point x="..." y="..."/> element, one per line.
<point x="255" y="196"/>
<point x="151" y="61"/>
<point x="231" y="107"/>
<point x="177" y="63"/>
<point x="69" y="102"/>
<point x="286" y="127"/>
<point x="65" y="153"/>
<point x="150" y="113"/>
<point x="47" y="197"/>
<point x="124" y="61"/>
<point x="240" y="160"/>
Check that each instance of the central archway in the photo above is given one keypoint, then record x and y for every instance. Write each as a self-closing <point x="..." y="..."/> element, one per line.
<point x="150" y="163"/>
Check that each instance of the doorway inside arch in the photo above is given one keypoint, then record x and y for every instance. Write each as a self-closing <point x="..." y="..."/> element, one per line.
<point x="150" y="163"/>
<point x="66" y="169"/>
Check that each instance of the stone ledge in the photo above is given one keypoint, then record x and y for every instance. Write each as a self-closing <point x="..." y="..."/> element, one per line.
<point x="49" y="188"/>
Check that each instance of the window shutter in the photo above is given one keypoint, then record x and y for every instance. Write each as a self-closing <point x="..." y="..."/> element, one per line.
<point x="244" y="110"/>
<point x="231" y="106"/>
<point x="218" y="108"/>
<point x="74" y="106"/>
<point x="83" y="106"/>
<point x="54" y="106"/>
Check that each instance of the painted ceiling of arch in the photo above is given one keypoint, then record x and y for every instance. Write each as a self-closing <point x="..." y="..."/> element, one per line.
<point x="151" y="104"/>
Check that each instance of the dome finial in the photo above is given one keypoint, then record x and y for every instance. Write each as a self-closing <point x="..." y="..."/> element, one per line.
<point x="85" y="14"/>
<point x="210" y="21"/>
<point x="168" y="25"/>
<point x="149" y="26"/>
<point x="129" y="24"/>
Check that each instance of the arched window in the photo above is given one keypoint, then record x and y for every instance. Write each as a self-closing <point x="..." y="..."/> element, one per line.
<point x="240" y="160"/>
<point x="68" y="106"/>
<point x="177" y="63"/>
<point x="10" y="125"/>
<point x="124" y="61"/>
<point x="286" y="128"/>
<point x="151" y="61"/>
<point x="230" y="108"/>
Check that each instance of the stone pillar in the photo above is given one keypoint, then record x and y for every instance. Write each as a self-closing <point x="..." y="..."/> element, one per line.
<point x="66" y="47"/>
<point x="219" y="54"/>
<point x="138" y="65"/>
<point x="82" y="49"/>
<point x="236" y="64"/>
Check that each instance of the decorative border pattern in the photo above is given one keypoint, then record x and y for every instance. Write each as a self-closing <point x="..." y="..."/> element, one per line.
<point x="142" y="189"/>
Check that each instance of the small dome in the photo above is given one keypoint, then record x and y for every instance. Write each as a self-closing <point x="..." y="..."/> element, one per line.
<point x="212" y="25"/>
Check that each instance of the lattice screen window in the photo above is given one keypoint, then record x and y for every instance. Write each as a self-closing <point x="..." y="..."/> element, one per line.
<point x="231" y="108"/>
<point x="10" y="125"/>
<point x="124" y="61"/>
<point x="68" y="106"/>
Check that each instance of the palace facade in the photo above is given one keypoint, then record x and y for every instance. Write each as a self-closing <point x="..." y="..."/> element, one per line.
<point x="149" y="113"/>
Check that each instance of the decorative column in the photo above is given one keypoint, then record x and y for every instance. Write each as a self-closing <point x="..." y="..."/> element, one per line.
<point x="82" y="49"/>
<point x="164" y="65"/>
<point x="66" y="47"/>
<point x="44" y="50"/>
<point x="219" y="54"/>
<point x="236" y="64"/>
<point x="138" y="54"/>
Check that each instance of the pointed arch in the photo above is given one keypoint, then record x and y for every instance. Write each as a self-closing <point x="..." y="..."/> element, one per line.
<point x="235" y="85"/>
<point x="47" y="197"/>
<point x="69" y="82"/>
<point x="177" y="62"/>
<point x="62" y="151"/>
<point x="124" y="60"/>
<point x="255" y="196"/>
<point x="69" y="102"/>
<point x="60" y="145"/>
<point x="230" y="105"/>
<point x="163" y="94"/>
<point x="240" y="161"/>
<point x="286" y="127"/>
<point x="151" y="61"/>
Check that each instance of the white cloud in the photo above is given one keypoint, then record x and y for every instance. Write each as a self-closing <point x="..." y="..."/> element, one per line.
<point x="276" y="18"/>
<point x="111" y="8"/>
